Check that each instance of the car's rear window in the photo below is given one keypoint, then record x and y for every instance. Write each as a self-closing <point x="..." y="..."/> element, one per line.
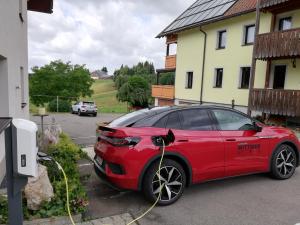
<point x="88" y="103"/>
<point x="133" y="117"/>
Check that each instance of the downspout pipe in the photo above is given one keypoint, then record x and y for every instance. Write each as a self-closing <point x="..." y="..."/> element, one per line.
<point x="203" y="65"/>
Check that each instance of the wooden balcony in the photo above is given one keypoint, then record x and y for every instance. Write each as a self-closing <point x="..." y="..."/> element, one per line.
<point x="278" y="45"/>
<point x="277" y="102"/>
<point x="172" y="39"/>
<point x="163" y="91"/>
<point x="278" y="6"/>
<point x="170" y="62"/>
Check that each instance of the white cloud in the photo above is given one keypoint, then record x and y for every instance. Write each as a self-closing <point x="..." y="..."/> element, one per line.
<point x="102" y="32"/>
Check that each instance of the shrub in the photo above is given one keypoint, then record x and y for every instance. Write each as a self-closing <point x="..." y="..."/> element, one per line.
<point x="67" y="154"/>
<point x="63" y="106"/>
<point x="3" y="210"/>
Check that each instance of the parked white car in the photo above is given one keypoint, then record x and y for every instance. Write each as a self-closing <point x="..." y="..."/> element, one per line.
<point x="84" y="108"/>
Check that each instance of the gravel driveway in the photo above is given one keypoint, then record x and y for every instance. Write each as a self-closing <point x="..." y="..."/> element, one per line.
<point x="81" y="129"/>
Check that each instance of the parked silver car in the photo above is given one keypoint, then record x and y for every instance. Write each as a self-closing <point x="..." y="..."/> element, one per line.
<point x="84" y="108"/>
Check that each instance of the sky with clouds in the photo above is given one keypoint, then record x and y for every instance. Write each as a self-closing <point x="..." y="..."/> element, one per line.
<point x="102" y="32"/>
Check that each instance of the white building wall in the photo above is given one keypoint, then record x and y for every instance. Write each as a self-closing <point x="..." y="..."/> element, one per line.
<point x="13" y="59"/>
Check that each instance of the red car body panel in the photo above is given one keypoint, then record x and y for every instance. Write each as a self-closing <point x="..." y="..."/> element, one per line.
<point x="209" y="154"/>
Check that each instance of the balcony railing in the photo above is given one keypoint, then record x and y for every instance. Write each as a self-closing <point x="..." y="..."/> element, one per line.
<point x="278" y="45"/>
<point x="277" y="102"/>
<point x="170" y="62"/>
<point x="163" y="91"/>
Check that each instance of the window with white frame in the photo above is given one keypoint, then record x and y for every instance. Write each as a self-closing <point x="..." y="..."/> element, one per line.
<point x="222" y="38"/>
<point x="171" y="49"/>
<point x="244" y="77"/>
<point x="249" y="34"/>
<point x="285" y="23"/>
<point x="189" y="80"/>
<point x="218" y="78"/>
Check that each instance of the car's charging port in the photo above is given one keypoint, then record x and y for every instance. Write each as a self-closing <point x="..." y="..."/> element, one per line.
<point x="164" y="140"/>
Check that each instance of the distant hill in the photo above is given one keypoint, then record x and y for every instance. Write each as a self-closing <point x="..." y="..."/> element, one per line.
<point x="100" y="75"/>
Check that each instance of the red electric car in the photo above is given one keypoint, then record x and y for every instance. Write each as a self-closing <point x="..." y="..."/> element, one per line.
<point x="210" y="143"/>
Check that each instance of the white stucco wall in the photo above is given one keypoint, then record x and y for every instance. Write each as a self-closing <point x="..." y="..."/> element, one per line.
<point x="13" y="57"/>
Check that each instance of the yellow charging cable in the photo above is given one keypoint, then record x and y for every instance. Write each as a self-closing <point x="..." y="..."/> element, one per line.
<point x="160" y="185"/>
<point x="67" y="190"/>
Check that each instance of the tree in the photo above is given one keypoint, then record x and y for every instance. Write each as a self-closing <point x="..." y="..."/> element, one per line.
<point x="68" y="81"/>
<point x="104" y="69"/>
<point x="136" y="92"/>
<point x="167" y="79"/>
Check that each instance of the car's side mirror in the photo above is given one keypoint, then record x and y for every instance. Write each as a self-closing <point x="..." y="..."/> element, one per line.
<point x="256" y="127"/>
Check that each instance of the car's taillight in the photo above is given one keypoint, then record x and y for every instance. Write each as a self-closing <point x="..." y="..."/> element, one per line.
<point x="116" y="141"/>
<point x="128" y="141"/>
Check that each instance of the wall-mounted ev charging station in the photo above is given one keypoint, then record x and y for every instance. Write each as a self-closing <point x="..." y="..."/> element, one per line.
<point x="21" y="162"/>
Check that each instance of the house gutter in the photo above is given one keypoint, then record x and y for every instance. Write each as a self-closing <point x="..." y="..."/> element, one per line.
<point x="203" y="65"/>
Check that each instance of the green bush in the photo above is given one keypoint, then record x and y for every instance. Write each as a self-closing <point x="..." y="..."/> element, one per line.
<point x="3" y="210"/>
<point x="67" y="154"/>
<point x="167" y="79"/>
<point x="63" y="106"/>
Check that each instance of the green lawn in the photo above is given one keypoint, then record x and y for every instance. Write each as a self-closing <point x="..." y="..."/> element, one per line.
<point x="105" y="97"/>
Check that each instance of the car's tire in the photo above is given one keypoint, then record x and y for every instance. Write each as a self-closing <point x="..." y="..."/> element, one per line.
<point x="95" y="115"/>
<point x="173" y="185"/>
<point x="284" y="162"/>
<point x="79" y="113"/>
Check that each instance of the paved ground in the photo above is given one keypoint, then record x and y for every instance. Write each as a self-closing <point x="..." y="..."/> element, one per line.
<point x="122" y="219"/>
<point x="250" y="200"/>
<point x="81" y="129"/>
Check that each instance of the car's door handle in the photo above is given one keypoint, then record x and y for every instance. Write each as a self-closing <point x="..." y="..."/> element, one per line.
<point x="183" y="140"/>
<point x="230" y="139"/>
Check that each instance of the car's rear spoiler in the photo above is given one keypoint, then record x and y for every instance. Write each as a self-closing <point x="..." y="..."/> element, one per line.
<point x="104" y="128"/>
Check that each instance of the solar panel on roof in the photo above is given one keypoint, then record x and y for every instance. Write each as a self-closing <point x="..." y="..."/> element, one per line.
<point x="200" y="11"/>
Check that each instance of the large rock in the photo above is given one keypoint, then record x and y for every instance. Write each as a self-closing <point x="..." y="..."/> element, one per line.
<point x="39" y="190"/>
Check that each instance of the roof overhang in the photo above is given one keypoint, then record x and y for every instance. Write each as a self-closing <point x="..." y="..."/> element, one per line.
<point x="270" y="3"/>
<point x="43" y="6"/>
<point x="165" y="70"/>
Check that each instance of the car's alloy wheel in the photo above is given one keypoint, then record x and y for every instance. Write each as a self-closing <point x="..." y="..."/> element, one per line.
<point x="173" y="182"/>
<point x="284" y="162"/>
<point x="170" y="184"/>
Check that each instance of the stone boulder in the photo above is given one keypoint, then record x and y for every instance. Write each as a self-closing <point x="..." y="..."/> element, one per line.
<point x="39" y="190"/>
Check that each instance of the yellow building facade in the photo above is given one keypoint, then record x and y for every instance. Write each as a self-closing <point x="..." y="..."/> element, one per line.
<point x="223" y="77"/>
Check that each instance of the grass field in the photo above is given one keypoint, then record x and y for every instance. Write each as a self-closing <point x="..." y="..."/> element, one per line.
<point x="105" y="97"/>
